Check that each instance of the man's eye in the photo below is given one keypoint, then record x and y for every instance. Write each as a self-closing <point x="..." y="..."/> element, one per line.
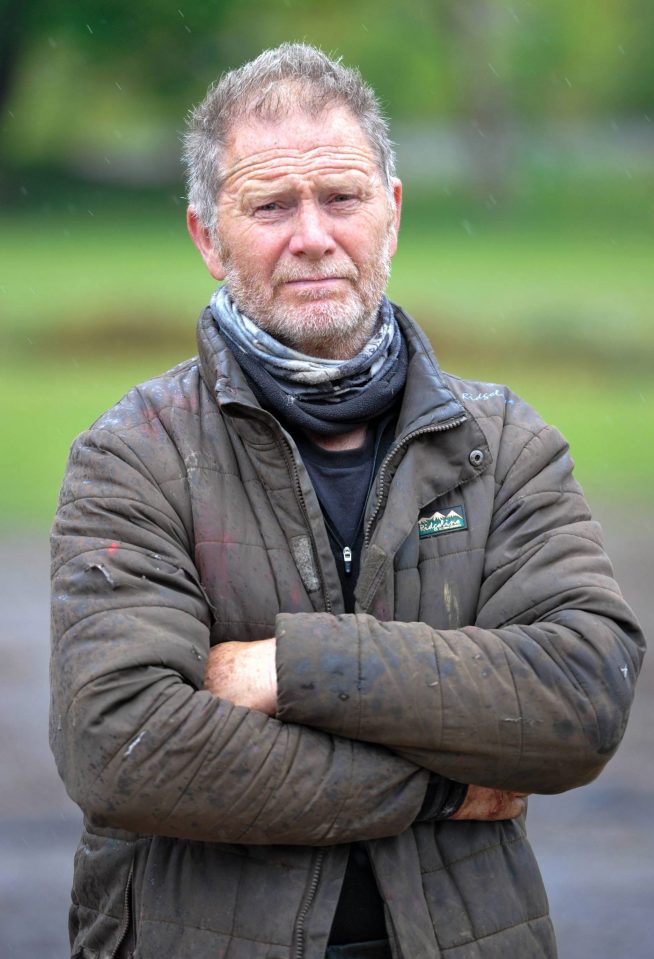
<point x="268" y="207"/>
<point x="342" y="198"/>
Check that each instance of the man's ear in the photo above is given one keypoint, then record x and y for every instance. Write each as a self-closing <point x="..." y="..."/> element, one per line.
<point x="396" y="186"/>
<point x="205" y="244"/>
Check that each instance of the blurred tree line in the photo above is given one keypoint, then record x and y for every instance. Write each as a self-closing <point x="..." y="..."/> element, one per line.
<point x="76" y="76"/>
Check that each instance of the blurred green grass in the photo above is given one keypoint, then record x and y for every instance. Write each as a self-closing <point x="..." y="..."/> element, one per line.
<point x="99" y="291"/>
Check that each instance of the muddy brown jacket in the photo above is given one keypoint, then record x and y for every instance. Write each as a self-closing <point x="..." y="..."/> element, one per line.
<point x="490" y="644"/>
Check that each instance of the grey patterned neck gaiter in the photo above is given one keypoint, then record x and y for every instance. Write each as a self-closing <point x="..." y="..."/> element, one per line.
<point x="325" y="396"/>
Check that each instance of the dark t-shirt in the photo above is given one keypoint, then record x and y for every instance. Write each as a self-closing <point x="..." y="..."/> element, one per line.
<point x="342" y="481"/>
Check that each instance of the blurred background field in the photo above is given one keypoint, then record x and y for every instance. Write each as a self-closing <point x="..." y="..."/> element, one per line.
<point x="525" y="137"/>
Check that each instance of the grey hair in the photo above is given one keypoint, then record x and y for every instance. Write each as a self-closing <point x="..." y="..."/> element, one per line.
<point x="276" y="83"/>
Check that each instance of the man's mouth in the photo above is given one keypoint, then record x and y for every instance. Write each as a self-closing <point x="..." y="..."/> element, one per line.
<point x="296" y="279"/>
<point x="315" y="281"/>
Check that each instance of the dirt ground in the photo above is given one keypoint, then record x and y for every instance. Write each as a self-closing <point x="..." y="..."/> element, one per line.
<point x="595" y="845"/>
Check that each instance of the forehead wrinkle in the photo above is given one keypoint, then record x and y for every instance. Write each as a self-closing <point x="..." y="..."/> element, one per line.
<point x="271" y="163"/>
<point x="283" y="180"/>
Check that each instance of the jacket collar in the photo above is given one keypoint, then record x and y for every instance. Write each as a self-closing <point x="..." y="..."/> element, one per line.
<point x="427" y="399"/>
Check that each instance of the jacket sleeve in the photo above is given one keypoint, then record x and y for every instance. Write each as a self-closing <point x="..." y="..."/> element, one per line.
<point x="533" y="696"/>
<point x="138" y="742"/>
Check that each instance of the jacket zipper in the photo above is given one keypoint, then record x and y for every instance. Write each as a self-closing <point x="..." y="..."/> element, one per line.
<point x="291" y="465"/>
<point x="346" y="551"/>
<point x="390" y="456"/>
<point x="127" y="913"/>
<point x="313" y="885"/>
<point x="306" y="905"/>
<point x="295" y="476"/>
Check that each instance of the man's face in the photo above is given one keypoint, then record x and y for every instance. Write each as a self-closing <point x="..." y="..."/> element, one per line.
<point x="306" y="230"/>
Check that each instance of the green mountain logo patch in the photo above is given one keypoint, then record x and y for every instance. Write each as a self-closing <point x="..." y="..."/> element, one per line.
<point x="446" y="520"/>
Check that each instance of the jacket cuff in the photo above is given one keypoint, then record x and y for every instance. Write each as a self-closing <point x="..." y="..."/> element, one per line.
<point x="318" y="682"/>
<point x="443" y="799"/>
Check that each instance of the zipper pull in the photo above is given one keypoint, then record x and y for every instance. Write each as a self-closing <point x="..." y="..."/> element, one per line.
<point x="347" y="559"/>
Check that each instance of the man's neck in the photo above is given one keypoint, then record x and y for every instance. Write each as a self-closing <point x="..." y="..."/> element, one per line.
<point x="343" y="441"/>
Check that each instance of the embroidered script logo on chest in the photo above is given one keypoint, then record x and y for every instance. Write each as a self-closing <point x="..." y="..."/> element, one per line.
<point x="447" y="520"/>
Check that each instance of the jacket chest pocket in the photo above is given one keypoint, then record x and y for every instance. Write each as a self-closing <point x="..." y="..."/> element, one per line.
<point x="240" y="584"/>
<point x="438" y="570"/>
<point x="247" y="585"/>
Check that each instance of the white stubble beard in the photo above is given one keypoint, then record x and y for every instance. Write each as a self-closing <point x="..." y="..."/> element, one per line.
<point x="338" y="329"/>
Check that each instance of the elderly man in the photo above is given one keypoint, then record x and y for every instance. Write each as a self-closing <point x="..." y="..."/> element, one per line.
<point x="323" y="615"/>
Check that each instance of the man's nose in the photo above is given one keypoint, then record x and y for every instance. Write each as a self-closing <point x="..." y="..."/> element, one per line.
<point x="312" y="235"/>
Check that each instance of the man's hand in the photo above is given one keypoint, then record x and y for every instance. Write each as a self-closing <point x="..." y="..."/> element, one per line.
<point x="490" y="804"/>
<point x="244" y="673"/>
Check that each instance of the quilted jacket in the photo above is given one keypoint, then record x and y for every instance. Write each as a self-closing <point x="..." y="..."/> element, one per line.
<point x="490" y="644"/>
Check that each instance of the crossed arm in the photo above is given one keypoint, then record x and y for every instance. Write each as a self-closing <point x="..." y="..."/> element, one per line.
<point x="532" y="701"/>
<point x="245" y="674"/>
